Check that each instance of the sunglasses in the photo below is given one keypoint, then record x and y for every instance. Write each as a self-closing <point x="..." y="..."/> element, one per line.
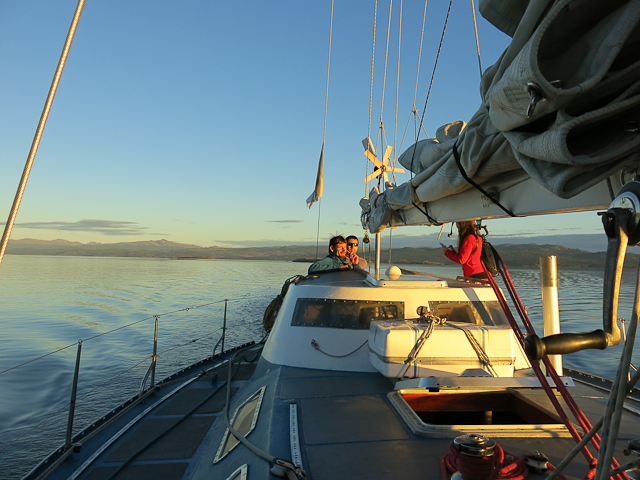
<point x="352" y="244"/>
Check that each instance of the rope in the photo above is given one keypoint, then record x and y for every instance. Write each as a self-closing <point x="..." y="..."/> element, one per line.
<point x="573" y="407"/>
<point x="324" y="131"/>
<point x="432" y="321"/>
<point x="176" y="423"/>
<point x="475" y="26"/>
<point x="288" y="466"/>
<point x="326" y="100"/>
<point x="433" y="74"/>
<point x="456" y="156"/>
<point x="395" y="128"/>
<point x="318" y="229"/>
<point x="425" y="212"/>
<point x="482" y="355"/>
<point x="41" y="124"/>
<point x="315" y="345"/>
<point x="373" y="56"/>
<point x="500" y="465"/>
<point x="386" y="58"/>
<point x="415" y="93"/>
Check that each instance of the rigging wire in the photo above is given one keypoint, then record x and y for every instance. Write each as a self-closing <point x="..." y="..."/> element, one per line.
<point x="395" y="125"/>
<point x="414" y="110"/>
<point x="475" y="26"/>
<point x="426" y="102"/>
<point x="424" y="18"/>
<point x="373" y="56"/>
<point x="41" y="124"/>
<point x="126" y="326"/>
<point x="384" y="77"/>
<point x="66" y="405"/>
<point x="435" y="65"/>
<point x="324" y="132"/>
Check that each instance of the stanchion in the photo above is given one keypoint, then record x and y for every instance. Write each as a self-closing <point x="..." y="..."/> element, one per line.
<point x="155" y="355"/>
<point x="224" y="324"/>
<point x="72" y="403"/>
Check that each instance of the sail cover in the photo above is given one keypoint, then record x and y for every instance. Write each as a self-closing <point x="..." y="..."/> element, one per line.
<point x="562" y="104"/>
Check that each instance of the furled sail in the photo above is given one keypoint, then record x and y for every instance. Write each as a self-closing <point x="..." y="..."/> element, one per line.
<point x="559" y="121"/>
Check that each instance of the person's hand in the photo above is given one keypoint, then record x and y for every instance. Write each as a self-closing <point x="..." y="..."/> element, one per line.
<point x="354" y="259"/>
<point x="443" y="248"/>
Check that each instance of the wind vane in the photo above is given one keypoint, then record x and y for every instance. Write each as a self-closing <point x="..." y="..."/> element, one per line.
<point x="382" y="167"/>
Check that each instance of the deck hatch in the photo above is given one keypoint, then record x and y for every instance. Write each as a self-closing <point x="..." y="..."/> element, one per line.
<point x="239" y="474"/>
<point x="348" y="314"/>
<point x="498" y="413"/>
<point x="243" y="421"/>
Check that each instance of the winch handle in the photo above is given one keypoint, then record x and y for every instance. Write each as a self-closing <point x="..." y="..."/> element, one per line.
<point x="563" y="343"/>
<point x="621" y="223"/>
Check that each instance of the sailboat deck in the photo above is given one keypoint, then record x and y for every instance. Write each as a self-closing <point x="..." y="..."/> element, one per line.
<point x="347" y="427"/>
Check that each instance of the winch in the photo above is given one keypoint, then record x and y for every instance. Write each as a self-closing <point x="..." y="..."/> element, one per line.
<point x="474" y="445"/>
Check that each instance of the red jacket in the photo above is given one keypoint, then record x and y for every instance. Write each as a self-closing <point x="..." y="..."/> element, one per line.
<point x="469" y="255"/>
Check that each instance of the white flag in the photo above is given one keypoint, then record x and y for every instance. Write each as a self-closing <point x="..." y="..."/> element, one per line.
<point x="317" y="193"/>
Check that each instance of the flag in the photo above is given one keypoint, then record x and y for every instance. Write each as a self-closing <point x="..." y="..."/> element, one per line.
<point x="317" y="193"/>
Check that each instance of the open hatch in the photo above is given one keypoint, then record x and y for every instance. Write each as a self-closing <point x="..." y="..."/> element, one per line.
<point x="496" y="413"/>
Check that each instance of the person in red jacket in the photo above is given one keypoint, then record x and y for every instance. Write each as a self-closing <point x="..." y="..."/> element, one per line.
<point x="468" y="252"/>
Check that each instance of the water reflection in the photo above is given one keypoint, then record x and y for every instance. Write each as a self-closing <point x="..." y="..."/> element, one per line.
<point x="47" y="303"/>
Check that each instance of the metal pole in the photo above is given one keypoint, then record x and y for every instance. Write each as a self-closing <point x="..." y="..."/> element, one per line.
<point x="378" y="247"/>
<point x="36" y="140"/>
<point x="155" y="355"/>
<point x="623" y="330"/>
<point x="224" y="325"/>
<point x="550" y="306"/>
<point x="72" y="403"/>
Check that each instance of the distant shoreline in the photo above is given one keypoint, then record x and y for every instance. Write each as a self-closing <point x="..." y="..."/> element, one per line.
<point x="514" y="255"/>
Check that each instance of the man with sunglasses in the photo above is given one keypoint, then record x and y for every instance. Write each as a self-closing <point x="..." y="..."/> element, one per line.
<point x="352" y="253"/>
<point x="337" y="258"/>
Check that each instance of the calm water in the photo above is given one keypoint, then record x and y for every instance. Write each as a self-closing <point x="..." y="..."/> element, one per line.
<point x="48" y="303"/>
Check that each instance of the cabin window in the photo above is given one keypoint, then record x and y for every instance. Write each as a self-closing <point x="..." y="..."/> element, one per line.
<point x="350" y="314"/>
<point x="243" y="421"/>
<point x="478" y="313"/>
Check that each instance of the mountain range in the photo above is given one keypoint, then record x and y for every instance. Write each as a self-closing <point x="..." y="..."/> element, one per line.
<point x="514" y="255"/>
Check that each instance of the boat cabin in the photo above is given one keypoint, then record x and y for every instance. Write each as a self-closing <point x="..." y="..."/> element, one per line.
<point x="351" y="321"/>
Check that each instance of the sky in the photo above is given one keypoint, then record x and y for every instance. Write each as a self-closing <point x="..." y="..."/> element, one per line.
<point x="202" y="121"/>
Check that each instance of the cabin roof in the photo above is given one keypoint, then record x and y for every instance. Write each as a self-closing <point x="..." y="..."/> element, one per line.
<point x="359" y="278"/>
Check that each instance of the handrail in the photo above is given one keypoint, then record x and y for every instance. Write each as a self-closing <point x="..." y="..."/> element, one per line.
<point x="186" y="309"/>
<point x="70" y="405"/>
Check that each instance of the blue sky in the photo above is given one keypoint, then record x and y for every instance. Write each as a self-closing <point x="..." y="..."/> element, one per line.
<point x="202" y="121"/>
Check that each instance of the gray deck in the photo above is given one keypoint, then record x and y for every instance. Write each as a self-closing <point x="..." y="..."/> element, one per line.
<point x="348" y="429"/>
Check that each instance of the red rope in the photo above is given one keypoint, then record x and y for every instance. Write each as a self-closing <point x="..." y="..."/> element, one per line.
<point x="573" y="406"/>
<point x="552" y="467"/>
<point x="501" y="465"/>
